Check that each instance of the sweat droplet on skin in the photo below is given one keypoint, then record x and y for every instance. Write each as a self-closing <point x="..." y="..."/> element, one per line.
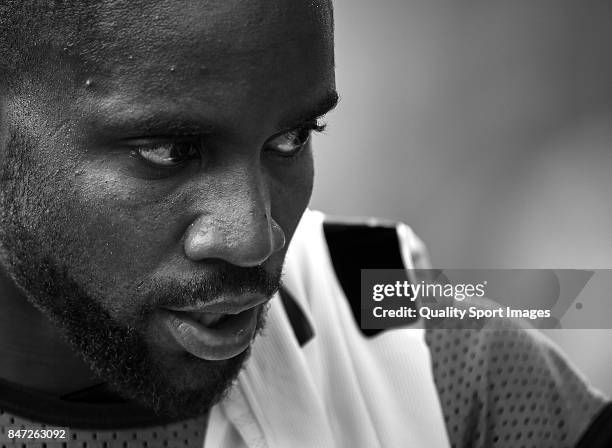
<point x="88" y="83"/>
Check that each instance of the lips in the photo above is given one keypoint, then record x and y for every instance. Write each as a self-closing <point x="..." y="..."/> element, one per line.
<point x="208" y="319"/>
<point x="210" y="335"/>
<point x="223" y="305"/>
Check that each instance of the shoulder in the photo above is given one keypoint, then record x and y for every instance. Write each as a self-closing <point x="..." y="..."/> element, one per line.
<point x="500" y="384"/>
<point x="503" y="384"/>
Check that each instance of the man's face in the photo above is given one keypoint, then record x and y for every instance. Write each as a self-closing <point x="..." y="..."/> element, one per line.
<point x="154" y="177"/>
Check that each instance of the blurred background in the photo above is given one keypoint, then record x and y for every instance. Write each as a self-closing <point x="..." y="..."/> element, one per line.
<point x="486" y="125"/>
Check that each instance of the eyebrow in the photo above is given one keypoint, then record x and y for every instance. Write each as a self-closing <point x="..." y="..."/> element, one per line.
<point x="322" y="107"/>
<point x="156" y="124"/>
<point x="177" y="123"/>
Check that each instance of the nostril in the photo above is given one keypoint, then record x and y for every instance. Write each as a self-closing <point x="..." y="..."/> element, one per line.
<point x="278" y="236"/>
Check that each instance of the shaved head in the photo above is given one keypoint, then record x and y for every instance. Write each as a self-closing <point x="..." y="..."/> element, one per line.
<point x="41" y="38"/>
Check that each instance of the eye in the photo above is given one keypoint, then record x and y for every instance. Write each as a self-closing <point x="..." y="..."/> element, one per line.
<point x="290" y="143"/>
<point x="167" y="154"/>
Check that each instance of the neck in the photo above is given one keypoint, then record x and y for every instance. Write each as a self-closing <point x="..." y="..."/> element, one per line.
<point x="32" y="351"/>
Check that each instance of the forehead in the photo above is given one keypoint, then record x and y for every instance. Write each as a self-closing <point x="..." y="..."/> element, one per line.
<point x="171" y="47"/>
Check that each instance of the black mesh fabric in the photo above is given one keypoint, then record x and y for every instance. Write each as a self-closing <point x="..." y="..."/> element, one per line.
<point x="187" y="434"/>
<point x="503" y="386"/>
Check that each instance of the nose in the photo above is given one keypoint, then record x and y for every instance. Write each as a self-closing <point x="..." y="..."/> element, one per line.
<point x="237" y="228"/>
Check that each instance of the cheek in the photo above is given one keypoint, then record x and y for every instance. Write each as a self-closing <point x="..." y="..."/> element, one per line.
<point x="112" y="232"/>
<point x="134" y="222"/>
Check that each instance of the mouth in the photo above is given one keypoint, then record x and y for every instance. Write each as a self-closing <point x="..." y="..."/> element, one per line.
<point x="212" y="335"/>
